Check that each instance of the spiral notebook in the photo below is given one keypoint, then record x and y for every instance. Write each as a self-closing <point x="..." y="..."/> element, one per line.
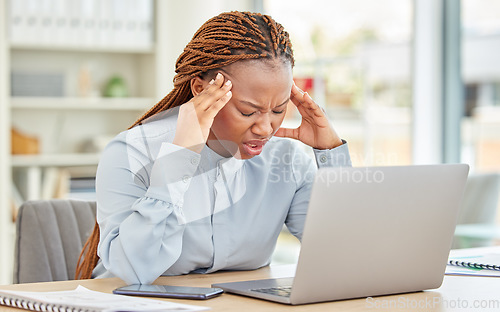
<point x="487" y="262"/>
<point x="83" y="299"/>
<point x="482" y="261"/>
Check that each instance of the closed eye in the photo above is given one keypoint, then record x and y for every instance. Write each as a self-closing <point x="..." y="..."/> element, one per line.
<point x="250" y="114"/>
<point x="258" y="107"/>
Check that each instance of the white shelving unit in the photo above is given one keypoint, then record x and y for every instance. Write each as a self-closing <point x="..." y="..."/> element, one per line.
<point x="54" y="160"/>
<point x="75" y="103"/>
<point x="76" y="48"/>
<point x="63" y="125"/>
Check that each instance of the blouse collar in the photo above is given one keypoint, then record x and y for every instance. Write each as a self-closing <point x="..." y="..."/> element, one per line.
<point x="231" y="165"/>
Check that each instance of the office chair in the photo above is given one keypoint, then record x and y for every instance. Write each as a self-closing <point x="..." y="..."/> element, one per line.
<point x="479" y="207"/>
<point x="49" y="237"/>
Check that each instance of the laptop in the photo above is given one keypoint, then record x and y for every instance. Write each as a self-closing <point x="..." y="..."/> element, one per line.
<point x="370" y="231"/>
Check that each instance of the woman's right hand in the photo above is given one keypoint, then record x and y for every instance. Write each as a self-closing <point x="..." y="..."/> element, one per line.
<point x="196" y="116"/>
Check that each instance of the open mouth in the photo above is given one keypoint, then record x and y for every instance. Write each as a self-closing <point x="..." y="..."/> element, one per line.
<point x="254" y="147"/>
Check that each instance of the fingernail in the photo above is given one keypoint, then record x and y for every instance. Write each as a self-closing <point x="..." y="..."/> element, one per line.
<point x="211" y="82"/>
<point x="228" y="83"/>
<point x="219" y="76"/>
<point x="229" y="93"/>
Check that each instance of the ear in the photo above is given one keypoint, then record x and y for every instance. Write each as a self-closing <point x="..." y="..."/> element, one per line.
<point x="197" y="85"/>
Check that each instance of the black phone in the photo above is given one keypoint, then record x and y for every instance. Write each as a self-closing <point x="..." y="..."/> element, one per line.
<point x="167" y="291"/>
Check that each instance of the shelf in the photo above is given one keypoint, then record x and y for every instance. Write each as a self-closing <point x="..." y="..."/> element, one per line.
<point x="73" y="103"/>
<point x="54" y="160"/>
<point x="84" y="48"/>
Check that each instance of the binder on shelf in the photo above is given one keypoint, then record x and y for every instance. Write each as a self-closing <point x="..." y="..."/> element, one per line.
<point x="46" y="20"/>
<point x="50" y="183"/>
<point x="33" y="22"/>
<point x="144" y="32"/>
<point x="104" y="23"/>
<point x="60" y="22"/>
<point x="17" y="20"/>
<point x="113" y="24"/>
<point x="24" y="21"/>
<point x="119" y="13"/>
<point x="88" y="23"/>
<point x="74" y="29"/>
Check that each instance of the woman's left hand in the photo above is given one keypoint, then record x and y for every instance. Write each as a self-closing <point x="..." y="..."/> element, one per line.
<point x="315" y="129"/>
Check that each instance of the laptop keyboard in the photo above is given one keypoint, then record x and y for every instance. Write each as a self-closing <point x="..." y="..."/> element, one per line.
<point x="282" y="291"/>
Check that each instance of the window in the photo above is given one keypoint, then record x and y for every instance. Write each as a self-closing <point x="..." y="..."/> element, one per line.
<point x="481" y="76"/>
<point x="354" y="58"/>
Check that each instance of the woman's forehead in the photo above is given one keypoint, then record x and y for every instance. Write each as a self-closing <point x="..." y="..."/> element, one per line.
<point x="258" y="84"/>
<point x="264" y="66"/>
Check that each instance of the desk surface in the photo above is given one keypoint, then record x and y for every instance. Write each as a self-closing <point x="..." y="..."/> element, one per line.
<point x="458" y="293"/>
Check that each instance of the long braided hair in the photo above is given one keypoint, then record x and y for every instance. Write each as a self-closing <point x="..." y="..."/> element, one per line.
<point x="224" y="39"/>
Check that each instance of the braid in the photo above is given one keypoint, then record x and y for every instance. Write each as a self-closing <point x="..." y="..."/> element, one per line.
<point x="224" y="39"/>
<point x="88" y="256"/>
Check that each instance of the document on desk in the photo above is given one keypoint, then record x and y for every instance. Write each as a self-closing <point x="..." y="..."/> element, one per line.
<point x="457" y="270"/>
<point x="483" y="261"/>
<point x="83" y="299"/>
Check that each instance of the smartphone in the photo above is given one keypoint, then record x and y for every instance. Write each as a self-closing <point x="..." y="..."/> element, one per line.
<point x="166" y="291"/>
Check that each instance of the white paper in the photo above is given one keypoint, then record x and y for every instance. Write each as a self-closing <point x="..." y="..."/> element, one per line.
<point x="84" y="297"/>
<point x="458" y="270"/>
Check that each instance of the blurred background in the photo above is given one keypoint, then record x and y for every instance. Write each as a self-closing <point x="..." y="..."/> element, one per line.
<point x="403" y="81"/>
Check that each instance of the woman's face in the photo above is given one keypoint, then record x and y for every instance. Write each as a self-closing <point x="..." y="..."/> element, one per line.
<point x="260" y="93"/>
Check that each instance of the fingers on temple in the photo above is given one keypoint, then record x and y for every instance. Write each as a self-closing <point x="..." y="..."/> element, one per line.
<point x="297" y="95"/>
<point x="217" y="90"/>
<point x="317" y="110"/>
<point x="300" y="97"/>
<point x="296" y="89"/>
<point x="305" y="104"/>
<point x="309" y="101"/>
<point x="219" y="104"/>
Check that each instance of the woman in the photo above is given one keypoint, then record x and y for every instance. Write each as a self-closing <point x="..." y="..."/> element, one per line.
<point x="205" y="180"/>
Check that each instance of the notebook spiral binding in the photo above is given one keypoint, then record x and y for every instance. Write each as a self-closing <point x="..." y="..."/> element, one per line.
<point x="39" y="307"/>
<point x="475" y="265"/>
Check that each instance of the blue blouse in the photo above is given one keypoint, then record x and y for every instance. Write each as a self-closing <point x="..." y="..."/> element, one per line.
<point x="166" y="210"/>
